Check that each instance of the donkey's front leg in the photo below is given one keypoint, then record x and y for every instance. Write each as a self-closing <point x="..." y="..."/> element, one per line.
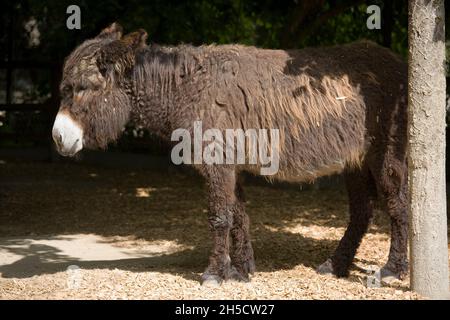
<point x="221" y="183"/>
<point x="241" y="250"/>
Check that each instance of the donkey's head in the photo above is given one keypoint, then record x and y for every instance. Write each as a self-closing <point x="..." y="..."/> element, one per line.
<point x="96" y="91"/>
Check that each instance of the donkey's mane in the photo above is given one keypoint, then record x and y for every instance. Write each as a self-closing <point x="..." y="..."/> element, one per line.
<point x="158" y="69"/>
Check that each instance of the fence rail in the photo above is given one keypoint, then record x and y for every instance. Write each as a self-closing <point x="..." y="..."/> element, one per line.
<point x="25" y="106"/>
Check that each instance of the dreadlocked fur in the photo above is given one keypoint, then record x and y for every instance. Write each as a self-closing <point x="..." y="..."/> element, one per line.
<point x="248" y="88"/>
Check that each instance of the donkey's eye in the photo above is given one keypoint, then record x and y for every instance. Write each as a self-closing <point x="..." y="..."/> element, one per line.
<point x="66" y="91"/>
<point x="81" y="88"/>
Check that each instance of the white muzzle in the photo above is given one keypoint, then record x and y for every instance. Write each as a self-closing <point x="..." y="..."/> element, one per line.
<point x="67" y="134"/>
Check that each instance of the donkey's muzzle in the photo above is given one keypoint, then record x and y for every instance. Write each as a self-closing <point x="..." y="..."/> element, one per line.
<point x="67" y="134"/>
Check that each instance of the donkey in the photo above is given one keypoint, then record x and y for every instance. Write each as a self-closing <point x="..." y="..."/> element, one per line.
<point x="339" y="109"/>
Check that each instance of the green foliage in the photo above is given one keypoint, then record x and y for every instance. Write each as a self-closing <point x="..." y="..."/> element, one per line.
<point x="262" y="23"/>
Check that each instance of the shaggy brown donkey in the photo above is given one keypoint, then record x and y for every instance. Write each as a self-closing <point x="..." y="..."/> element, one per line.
<point x="338" y="109"/>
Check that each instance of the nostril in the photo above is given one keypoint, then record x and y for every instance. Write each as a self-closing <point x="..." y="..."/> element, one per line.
<point x="57" y="137"/>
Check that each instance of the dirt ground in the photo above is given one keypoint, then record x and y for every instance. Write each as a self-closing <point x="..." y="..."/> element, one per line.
<point x="141" y="234"/>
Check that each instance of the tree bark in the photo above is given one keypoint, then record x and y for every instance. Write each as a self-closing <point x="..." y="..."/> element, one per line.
<point x="426" y="158"/>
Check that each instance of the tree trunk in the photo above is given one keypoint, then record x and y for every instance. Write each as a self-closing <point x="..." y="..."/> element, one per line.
<point x="426" y="158"/>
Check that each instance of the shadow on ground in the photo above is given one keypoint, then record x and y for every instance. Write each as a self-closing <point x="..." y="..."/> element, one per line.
<point x="43" y="200"/>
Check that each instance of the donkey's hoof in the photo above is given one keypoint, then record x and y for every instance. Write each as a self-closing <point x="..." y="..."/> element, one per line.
<point x="248" y="267"/>
<point x="326" y="267"/>
<point x="389" y="276"/>
<point x="235" y="275"/>
<point x="211" y="280"/>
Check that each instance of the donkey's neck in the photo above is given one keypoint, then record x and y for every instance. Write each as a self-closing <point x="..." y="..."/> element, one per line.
<point x="157" y="77"/>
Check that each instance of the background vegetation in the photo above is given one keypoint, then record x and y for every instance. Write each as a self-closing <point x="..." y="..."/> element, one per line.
<point x="39" y="33"/>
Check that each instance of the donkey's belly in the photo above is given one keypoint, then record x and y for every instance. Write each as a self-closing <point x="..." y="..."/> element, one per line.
<point x="297" y="175"/>
<point x="309" y="175"/>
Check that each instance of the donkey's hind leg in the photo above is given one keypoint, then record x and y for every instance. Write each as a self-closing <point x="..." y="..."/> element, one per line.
<point x="359" y="184"/>
<point x="242" y="252"/>
<point x="391" y="179"/>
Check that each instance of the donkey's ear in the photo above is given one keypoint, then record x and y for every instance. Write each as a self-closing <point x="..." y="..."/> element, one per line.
<point x="119" y="54"/>
<point x="135" y="40"/>
<point x="113" y="32"/>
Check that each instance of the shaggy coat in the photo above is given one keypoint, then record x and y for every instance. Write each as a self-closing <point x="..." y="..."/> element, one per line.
<point x="338" y="109"/>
